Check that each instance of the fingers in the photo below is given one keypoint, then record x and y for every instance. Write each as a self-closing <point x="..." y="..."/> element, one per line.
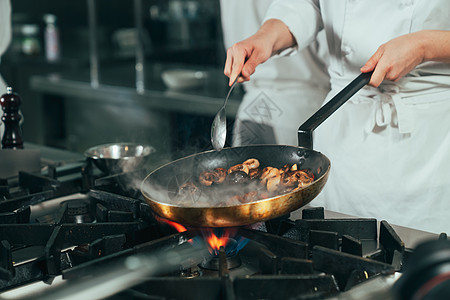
<point x="228" y="63"/>
<point x="377" y="77"/>
<point x="243" y="58"/>
<point x="385" y="71"/>
<point x="242" y="79"/>
<point x="237" y="65"/>
<point x="234" y="63"/>
<point x="394" y="59"/>
<point x="250" y="66"/>
<point x="374" y="64"/>
<point x="371" y="63"/>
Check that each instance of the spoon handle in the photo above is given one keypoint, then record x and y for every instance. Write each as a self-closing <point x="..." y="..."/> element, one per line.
<point x="229" y="92"/>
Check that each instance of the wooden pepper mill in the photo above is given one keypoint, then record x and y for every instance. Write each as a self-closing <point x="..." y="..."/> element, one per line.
<point x="12" y="136"/>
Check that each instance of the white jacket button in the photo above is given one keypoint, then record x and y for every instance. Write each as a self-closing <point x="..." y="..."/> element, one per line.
<point x="346" y="50"/>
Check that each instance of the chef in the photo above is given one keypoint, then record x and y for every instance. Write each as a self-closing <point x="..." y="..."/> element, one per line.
<point x="284" y="91"/>
<point x="5" y="38"/>
<point x="389" y="145"/>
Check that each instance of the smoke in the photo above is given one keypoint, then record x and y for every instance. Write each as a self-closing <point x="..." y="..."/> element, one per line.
<point x="186" y="190"/>
<point x="178" y="183"/>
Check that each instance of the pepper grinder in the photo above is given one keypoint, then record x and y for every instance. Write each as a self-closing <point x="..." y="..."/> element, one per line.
<point x="12" y="136"/>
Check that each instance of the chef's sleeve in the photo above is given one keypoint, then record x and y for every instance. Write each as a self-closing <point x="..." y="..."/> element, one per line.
<point x="5" y="25"/>
<point x="302" y="17"/>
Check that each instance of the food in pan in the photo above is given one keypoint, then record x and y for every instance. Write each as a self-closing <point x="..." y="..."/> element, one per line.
<point x="215" y="176"/>
<point x="242" y="183"/>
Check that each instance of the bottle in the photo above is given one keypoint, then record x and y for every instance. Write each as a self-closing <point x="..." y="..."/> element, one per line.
<point x="30" y="42"/>
<point x="51" y="38"/>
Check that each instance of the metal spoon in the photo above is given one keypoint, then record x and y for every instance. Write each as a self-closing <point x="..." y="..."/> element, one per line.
<point x="219" y="125"/>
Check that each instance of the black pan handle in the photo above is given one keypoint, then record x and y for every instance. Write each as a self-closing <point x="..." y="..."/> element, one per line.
<point x="306" y="129"/>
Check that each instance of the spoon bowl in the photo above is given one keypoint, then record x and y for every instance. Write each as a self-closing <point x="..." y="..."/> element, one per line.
<point x="219" y="124"/>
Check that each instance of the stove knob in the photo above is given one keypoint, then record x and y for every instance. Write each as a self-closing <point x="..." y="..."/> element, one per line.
<point x="427" y="273"/>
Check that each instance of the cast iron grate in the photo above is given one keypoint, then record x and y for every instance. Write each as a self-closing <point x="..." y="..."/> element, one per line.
<point x="311" y="258"/>
<point x="295" y="263"/>
<point x="42" y="249"/>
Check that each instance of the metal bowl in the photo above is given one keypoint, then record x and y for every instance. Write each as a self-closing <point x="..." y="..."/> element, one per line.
<point x="119" y="157"/>
<point x="178" y="79"/>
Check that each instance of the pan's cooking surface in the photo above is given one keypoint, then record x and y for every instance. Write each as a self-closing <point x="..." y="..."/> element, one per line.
<point x="163" y="184"/>
<point x="160" y="186"/>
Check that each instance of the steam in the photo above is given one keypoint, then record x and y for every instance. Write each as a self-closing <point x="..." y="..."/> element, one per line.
<point x="219" y="195"/>
<point x="178" y="184"/>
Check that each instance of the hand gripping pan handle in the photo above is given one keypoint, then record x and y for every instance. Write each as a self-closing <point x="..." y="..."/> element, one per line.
<point x="306" y="129"/>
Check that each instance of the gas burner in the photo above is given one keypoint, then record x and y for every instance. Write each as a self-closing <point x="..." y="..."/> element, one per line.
<point x="232" y="262"/>
<point x="230" y="246"/>
<point x="223" y="246"/>
<point x="77" y="211"/>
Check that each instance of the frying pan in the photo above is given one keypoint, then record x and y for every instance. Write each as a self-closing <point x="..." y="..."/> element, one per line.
<point x="159" y="186"/>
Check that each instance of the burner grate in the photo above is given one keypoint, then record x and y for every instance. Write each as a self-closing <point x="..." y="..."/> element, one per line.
<point x="311" y="258"/>
<point x="41" y="250"/>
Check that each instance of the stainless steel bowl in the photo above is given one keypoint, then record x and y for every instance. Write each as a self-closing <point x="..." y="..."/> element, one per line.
<point x="119" y="157"/>
<point x="178" y="79"/>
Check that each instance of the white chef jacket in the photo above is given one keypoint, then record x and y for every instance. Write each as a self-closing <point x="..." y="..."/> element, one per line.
<point x="5" y="32"/>
<point x="284" y="91"/>
<point x="5" y="38"/>
<point x="389" y="146"/>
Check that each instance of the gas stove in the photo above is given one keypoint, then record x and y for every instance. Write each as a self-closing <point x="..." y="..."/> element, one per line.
<point x="71" y="231"/>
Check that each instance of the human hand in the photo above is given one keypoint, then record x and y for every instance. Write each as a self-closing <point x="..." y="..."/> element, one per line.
<point x="395" y="58"/>
<point x="243" y="57"/>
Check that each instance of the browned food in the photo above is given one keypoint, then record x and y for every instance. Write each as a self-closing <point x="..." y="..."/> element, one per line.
<point x="254" y="173"/>
<point x="215" y="176"/>
<point x="221" y="174"/>
<point x="239" y="167"/>
<point x="251" y="163"/>
<point x="237" y="177"/>
<point x="269" y="173"/>
<point x="247" y="182"/>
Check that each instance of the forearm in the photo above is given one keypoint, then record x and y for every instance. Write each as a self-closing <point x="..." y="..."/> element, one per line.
<point x="435" y="45"/>
<point x="279" y="34"/>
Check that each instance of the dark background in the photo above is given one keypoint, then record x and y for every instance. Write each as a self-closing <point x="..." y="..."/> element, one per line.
<point x="192" y="39"/>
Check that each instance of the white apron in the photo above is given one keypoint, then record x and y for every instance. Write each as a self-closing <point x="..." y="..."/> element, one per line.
<point x="284" y="91"/>
<point x="271" y="115"/>
<point x="389" y="147"/>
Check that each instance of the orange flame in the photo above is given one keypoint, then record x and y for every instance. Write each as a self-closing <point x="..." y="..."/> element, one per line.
<point x="215" y="242"/>
<point x="178" y="227"/>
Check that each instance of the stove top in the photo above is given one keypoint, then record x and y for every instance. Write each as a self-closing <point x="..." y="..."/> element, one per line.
<point x="71" y="231"/>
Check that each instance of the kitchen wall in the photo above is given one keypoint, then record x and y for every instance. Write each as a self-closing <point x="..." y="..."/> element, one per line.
<point x="178" y="33"/>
